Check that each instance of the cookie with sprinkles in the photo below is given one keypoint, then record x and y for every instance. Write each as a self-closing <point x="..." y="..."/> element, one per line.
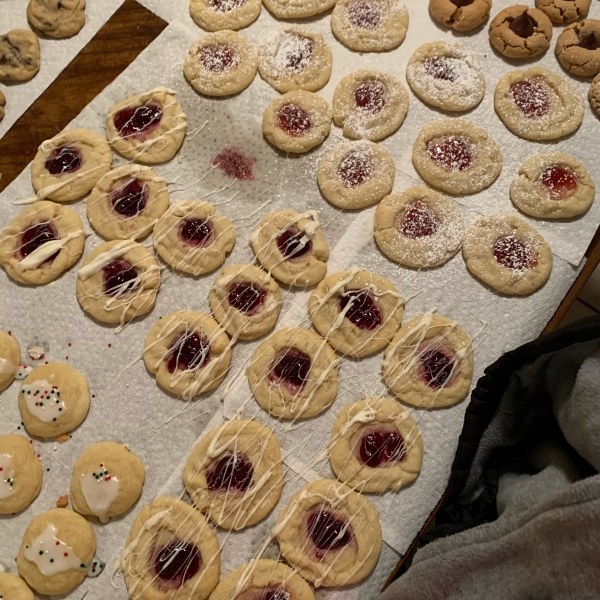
<point x="216" y="15"/>
<point x="298" y="9"/>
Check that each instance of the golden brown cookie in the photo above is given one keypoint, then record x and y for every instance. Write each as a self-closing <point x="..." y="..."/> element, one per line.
<point x="57" y="18"/>
<point x="578" y="48"/>
<point x="19" y="55"/>
<point x="562" y="12"/>
<point x="10" y="359"/>
<point x="594" y="94"/>
<point x="14" y="588"/>
<point x="461" y="15"/>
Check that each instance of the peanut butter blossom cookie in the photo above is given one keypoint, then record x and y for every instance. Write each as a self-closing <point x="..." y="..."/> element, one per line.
<point x="457" y="156"/>
<point x="41" y="243"/>
<point x="369" y="104"/>
<point x="537" y="104"/>
<point x="10" y="358"/>
<point x="508" y="255"/>
<point x="215" y="15"/>
<point x="330" y="534"/>
<point x="294" y="374"/>
<point x="429" y="363"/>
<point x="594" y="95"/>
<point x="375" y="446"/>
<point x="19" y="55"/>
<point x="578" y="48"/>
<point x="2" y="105"/>
<point x="14" y="588"/>
<point x="57" y="18"/>
<point x="564" y="11"/>
<point x="461" y="15"/>
<point x="235" y="474"/>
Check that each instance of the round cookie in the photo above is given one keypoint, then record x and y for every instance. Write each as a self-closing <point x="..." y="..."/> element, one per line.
<point x="10" y="359"/>
<point x="148" y="128"/>
<point x="43" y="241"/>
<point x="446" y="76"/>
<point x="578" y="48"/>
<point x="419" y="228"/>
<point x="107" y="480"/>
<point x="171" y="552"/>
<point x="57" y="18"/>
<point x="429" y="363"/>
<point x="460" y="15"/>
<point x="188" y="352"/>
<point x="371" y="306"/>
<point x="19" y="55"/>
<point x="245" y="301"/>
<point x="553" y="186"/>
<point x="216" y="15"/>
<point x="295" y="58"/>
<point x="330" y="534"/>
<point x="220" y="64"/>
<point x="508" y="255"/>
<point x="297" y="121"/>
<point x="375" y="446"/>
<point x="355" y="175"/>
<point x="56" y="552"/>
<point x="298" y="9"/>
<point x="294" y="374"/>
<point x="370" y="25"/>
<point x="594" y="95"/>
<point x="127" y="202"/>
<point x="192" y="237"/>
<point x="259" y="579"/>
<point x="235" y="475"/>
<point x="69" y="165"/>
<point x="291" y="247"/>
<point x="562" y="12"/>
<point x="456" y="156"/>
<point x="20" y="475"/>
<point x="12" y="587"/>
<point x="537" y="104"/>
<point x="118" y="282"/>
<point x="369" y="104"/>
<point x="2" y="105"/>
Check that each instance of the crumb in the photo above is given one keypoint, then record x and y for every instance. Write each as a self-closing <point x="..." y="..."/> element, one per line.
<point x="63" y="501"/>
<point x="63" y="438"/>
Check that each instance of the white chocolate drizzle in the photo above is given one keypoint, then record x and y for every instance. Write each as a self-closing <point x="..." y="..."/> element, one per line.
<point x="105" y="258"/>
<point x="45" y="251"/>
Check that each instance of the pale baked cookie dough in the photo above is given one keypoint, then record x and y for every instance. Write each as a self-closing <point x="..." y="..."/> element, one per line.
<point x="2" y="105"/>
<point x="553" y="186"/>
<point x="263" y="578"/>
<point x="429" y="363"/>
<point x="12" y="587"/>
<point x="370" y="25"/>
<point x="188" y="352"/>
<point x="118" y="282"/>
<point x="107" y="480"/>
<point x="375" y="446"/>
<point x="457" y="156"/>
<point x="298" y="9"/>
<point x="291" y="247"/>
<point x="10" y="359"/>
<point x="57" y="18"/>
<point x="330" y="534"/>
<point x="192" y="237"/>
<point x="508" y="255"/>
<point x="127" y="203"/>
<point x="19" y="55"/>
<point x="294" y="374"/>
<point x="216" y="15"/>
<point x="69" y="165"/>
<point x="594" y="95"/>
<point x="372" y="309"/>
<point x="20" y="474"/>
<point x="43" y="241"/>
<point x="245" y="301"/>
<point x="446" y="75"/>
<point x="297" y="121"/>
<point x="356" y="174"/>
<point x="537" y="104"/>
<point x="220" y="64"/>
<point x="419" y="228"/>
<point x="369" y="104"/>
<point x="564" y="11"/>
<point x="235" y="475"/>
<point x="460" y="15"/>
<point x="148" y="128"/>
<point x="578" y="48"/>
<point x="171" y="552"/>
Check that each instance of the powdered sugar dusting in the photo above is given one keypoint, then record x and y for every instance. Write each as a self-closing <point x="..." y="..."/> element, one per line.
<point x="290" y="52"/>
<point x="219" y="58"/>
<point x="366" y="15"/>
<point x="225" y="5"/>
<point x="356" y="168"/>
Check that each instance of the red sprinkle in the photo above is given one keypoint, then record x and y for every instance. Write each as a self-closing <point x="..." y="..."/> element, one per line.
<point x="66" y="358"/>
<point x="10" y="333"/>
<point x="69" y="344"/>
<point x="110" y="345"/>
<point x="46" y="363"/>
<point x="28" y="153"/>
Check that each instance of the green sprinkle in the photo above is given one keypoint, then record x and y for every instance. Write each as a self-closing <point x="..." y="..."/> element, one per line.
<point x="41" y="552"/>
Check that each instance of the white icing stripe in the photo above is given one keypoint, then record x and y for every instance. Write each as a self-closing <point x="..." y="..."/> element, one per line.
<point x="100" y="490"/>
<point x="45" y="251"/>
<point x="6" y="476"/>
<point x="51" y="555"/>
<point x="43" y="400"/>
<point x="106" y="258"/>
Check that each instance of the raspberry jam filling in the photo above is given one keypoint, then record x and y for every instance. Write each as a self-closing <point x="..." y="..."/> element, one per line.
<point x="559" y="181"/>
<point x="293" y="120"/>
<point x="370" y="96"/>
<point x="451" y="153"/>
<point x="34" y="237"/>
<point x="513" y="253"/>
<point x="234" y="163"/>
<point x="292" y="245"/>
<point x="65" y="159"/>
<point x="120" y="278"/>
<point x="364" y="311"/>
<point x="225" y="5"/>
<point x="435" y="367"/>
<point x="380" y="447"/>
<point x="295" y="53"/>
<point x="291" y="369"/>
<point x="230" y="472"/>
<point x="270" y="593"/>
<point x="524" y="25"/>
<point x="188" y="351"/>
<point x="218" y="58"/>
<point x="366" y="15"/>
<point x="175" y="564"/>
<point x="130" y="199"/>
<point x="138" y="122"/>
<point x="197" y="232"/>
<point x="355" y="169"/>
<point x="440" y="67"/>
<point x="531" y="97"/>
<point x="588" y="40"/>
<point x="246" y="298"/>
<point x="418" y="221"/>
<point x="327" y="531"/>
